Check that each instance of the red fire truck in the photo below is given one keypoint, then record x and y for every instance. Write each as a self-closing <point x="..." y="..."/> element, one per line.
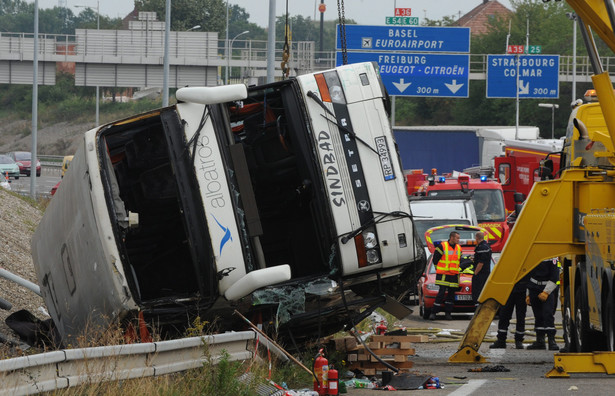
<point x="524" y="163"/>
<point x="486" y="194"/>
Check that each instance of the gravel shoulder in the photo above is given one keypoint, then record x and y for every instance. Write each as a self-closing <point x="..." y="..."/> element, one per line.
<point x="18" y="220"/>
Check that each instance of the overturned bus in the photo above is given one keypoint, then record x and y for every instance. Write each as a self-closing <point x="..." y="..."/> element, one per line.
<point x="286" y="199"/>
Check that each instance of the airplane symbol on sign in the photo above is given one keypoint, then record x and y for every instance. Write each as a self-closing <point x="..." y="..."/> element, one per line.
<point x="366" y="42"/>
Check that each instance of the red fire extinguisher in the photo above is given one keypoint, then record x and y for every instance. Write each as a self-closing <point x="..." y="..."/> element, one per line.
<point x="381" y="328"/>
<point x="333" y="382"/>
<point x="321" y="369"/>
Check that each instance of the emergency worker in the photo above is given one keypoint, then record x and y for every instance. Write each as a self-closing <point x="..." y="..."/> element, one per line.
<point x="542" y="283"/>
<point x="516" y="302"/>
<point x="446" y="259"/>
<point x="482" y="265"/>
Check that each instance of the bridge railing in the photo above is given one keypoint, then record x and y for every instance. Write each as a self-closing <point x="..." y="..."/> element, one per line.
<point x="206" y="47"/>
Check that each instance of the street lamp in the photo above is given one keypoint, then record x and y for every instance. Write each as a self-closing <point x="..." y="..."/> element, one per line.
<point x="97" y="87"/>
<point x="197" y="27"/>
<point x="228" y="58"/>
<point x="573" y="17"/>
<point x="552" y="106"/>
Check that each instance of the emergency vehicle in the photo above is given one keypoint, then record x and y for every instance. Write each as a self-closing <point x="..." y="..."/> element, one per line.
<point x="491" y="217"/>
<point x="523" y="164"/>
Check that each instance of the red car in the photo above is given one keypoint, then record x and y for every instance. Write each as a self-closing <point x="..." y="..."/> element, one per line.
<point x="427" y="288"/>
<point x="24" y="161"/>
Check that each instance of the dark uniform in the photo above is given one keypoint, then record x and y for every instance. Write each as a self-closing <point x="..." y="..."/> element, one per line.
<point x="542" y="283"/>
<point x="446" y="260"/>
<point x="516" y="302"/>
<point x="482" y="254"/>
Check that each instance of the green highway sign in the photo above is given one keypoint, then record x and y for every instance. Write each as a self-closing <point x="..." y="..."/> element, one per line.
<point x="402" y="21"/>
<point x="534" y="49"/>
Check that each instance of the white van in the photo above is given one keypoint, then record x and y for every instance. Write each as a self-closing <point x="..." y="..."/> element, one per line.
<point x="428" y="212"/>
<point x="191" y="208"/>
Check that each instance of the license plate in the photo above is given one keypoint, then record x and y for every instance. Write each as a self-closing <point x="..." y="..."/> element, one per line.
<point x="463" y="297"/>
<point x="385" y="158"/>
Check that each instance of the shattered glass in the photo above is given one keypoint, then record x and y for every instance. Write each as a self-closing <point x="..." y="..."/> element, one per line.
<point x="291" y="299"/>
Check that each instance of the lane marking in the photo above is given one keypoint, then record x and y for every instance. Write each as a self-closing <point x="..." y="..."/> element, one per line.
<point x="468" y="388"/>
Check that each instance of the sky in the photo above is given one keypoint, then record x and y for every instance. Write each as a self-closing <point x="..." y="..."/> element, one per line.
<point x="364" y="12"/>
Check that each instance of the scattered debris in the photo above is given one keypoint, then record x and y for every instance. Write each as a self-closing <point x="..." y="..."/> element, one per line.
<point x="405" y="381"/>
<point x="432" y="383"/>
<point x="490" y="369"/>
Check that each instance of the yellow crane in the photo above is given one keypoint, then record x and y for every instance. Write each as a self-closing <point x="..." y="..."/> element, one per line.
<point x="572" y="217"/>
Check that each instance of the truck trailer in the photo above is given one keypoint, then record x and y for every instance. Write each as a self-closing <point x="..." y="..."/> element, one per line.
<point x="286" y="201"/>
<point x="450" y="148"/>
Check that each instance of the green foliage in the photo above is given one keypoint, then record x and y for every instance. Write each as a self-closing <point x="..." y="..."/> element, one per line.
<point x="447" y="20"/>
<point x="210" y="14"/>
<point x="223" y="378"/>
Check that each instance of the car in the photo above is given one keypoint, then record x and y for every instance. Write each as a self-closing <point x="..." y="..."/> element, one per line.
<point x="429" y="212"/>
<point x="8" y="167"/>
<point x="65" y="162"/>
<point x="427" y="288"/>
<point x="23" y="160"/>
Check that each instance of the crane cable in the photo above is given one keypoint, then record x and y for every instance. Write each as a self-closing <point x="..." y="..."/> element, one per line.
<point x="342" y="30"/>
<point x="286" y="51"/>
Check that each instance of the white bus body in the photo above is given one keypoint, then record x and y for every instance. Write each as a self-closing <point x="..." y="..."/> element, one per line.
<point x="191" y="208"/>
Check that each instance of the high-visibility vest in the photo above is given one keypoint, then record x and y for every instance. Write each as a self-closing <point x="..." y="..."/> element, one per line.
<point x="449" y="262"/>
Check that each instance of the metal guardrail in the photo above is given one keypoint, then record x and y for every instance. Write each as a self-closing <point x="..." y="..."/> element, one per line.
<point x="54" y="161"/>
<point x="67" y="368"/>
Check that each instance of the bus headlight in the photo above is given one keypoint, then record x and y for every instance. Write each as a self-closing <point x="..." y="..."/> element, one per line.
<point x="370" y="240"/>
<point x="372" y="256"/>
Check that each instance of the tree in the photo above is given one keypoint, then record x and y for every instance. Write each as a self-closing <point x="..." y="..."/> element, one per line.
<point x="239" y="21"/>
<point x="209" y="14"/>
<point x="447" y="20"/>
<point x="12" y="7"/>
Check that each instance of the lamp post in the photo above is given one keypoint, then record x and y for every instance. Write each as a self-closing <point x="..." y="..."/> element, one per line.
<point x="165" y="56"/>
<point x="226" y="51"/>
<point x="97" y="87"/>
<point x="552" y="106"/>
<point x="228" y="58"/>
<point x="34" y="105"/>
<point x="573" y="17"/>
